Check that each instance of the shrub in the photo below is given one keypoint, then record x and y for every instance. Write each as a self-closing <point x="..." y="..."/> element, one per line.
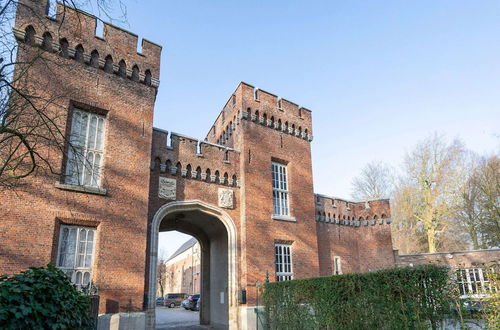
<point x="42" y="298"/>
<point x="399" y="298"/>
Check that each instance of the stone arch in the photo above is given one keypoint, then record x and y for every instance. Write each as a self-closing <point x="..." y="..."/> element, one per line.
<point x="108" y="64"/>
<point x="94" y="59"/>
<point x="122" y="68"/>
<point x="147" y="77"/>
<point x="47" y="41"/>
<point x="232" y="265"/>
<point x="29" y="35"/>
<point x="64" y="45"/>
<point x="79" y="53"/>
<point x="135" y="73"/>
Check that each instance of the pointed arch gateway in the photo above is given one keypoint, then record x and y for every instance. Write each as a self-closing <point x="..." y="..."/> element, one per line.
<point x="180" y="215"/>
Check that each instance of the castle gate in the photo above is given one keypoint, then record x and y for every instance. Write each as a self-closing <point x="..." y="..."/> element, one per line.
<point x="216" y="232"/>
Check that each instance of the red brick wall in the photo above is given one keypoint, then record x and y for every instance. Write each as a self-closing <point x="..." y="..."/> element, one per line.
<point x="359" y="233"/>
<point x="32" y="214"/>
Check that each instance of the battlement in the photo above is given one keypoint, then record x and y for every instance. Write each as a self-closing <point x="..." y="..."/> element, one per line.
<point x="72" y="34"/>
<point x="264" y="108"/>
<point x="190" y="158"/>
<point x="341" y="211"/>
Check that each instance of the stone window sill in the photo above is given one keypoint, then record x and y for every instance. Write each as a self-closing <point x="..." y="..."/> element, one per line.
<point x="83" y="189"/>
<point x="284" y="218"/>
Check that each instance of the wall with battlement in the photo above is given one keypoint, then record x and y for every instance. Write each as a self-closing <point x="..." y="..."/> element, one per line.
<point x="72" y="34"/>
<point x="262" y="108"/>
<point x="190" y="158"/>
<point x="357" y="232"/>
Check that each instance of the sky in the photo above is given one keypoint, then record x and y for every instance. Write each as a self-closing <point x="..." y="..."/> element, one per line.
<point x="378" y="75"/>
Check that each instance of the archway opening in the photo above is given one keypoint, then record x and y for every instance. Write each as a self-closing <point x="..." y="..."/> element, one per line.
<point x="216" y="235"/>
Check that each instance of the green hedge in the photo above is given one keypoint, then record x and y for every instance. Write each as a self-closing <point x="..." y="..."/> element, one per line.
<point x="399" y="298"/>
<point x="42" y="298"/>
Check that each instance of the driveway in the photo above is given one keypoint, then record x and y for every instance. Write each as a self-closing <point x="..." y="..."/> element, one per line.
<point x="177" y="318"/>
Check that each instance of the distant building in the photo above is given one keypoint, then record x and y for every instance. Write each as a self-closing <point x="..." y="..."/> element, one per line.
<point x="470" y="268"/>
<point x="183" y="269"/>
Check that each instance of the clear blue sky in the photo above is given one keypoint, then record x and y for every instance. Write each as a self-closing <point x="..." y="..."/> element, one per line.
<point x="378" y="75"/>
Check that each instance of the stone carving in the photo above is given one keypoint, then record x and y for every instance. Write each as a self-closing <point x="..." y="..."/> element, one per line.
<point x="167" y="188"/>
<point x="226" y="198"/>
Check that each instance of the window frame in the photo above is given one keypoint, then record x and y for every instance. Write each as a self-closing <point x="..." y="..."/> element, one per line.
<point x="337" y="265"/>
<point x="84" y="150"/>
<point x="281" y="266"/>
<point x="280" y="203"/>
<point x="479" y="287"/>
<point x="77" y="269"/>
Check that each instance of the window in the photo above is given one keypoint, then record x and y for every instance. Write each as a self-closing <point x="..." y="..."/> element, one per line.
<point x="474" y="283"/>
<point x="86" y="150"/>
<point x="280" y="189"/>
<point x="337" y="267"/>
<point x="76" y="248"/>
<point x="283" y="262"/>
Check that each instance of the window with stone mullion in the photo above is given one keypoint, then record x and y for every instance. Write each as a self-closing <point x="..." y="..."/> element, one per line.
<point x="283" y="253"/>
<point x="86" y="149"/>
<point x="280" y="189"/>
<point x="75" y="253"/>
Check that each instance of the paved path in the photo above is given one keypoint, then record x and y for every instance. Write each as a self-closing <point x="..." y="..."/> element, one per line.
<point x="177" y="318"/>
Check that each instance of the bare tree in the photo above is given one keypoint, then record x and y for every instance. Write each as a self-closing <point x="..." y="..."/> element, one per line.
<point x="432" y="174"/>
<point x="29" y="134"/>
<point x="374" y="182"/>
<point x="161" y="273"/>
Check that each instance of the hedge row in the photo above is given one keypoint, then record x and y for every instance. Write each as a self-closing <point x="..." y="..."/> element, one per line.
<point x="399" y="298"/>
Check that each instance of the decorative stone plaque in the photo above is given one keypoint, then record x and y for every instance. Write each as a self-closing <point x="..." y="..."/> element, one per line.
<point x="226" y="198"/>
<point x="167" y="188"/>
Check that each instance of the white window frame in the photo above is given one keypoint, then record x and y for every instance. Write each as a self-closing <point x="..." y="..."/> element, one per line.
<point x="77" y="273"/>
<point x="80" y="170"/>
<point x="281" y="198"/>
<point x="283" y="262"/>
<point x="473" y="284"/>
<point x="337" y="265"/>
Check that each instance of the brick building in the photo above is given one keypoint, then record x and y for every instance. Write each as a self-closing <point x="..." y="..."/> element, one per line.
<point x="245" y="191"/>
<point x="182" y="269"/>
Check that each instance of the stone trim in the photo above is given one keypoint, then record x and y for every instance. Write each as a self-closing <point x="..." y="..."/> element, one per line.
<point x="82" y="189"/>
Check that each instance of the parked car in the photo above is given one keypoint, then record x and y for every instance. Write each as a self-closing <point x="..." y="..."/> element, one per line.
<point x="185" y="303"/>
<point x="173" y="299"/>
<point x="159" y="301"/>
<point x="192" y="300"/>
<point x="197" y="307"/>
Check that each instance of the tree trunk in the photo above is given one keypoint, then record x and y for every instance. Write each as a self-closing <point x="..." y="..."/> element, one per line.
<point x="431" y="240"/>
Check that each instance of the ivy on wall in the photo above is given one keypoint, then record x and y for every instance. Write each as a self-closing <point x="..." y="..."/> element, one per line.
<point x="399" y="298"/>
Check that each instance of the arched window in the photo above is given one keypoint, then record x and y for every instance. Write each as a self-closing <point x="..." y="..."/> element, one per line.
<point x="208" y="175"/>
<point x="217" y="177"/>
<point x="300" y="131"/>
<point x="225" y="178"/>
<point x="122" y="68"/>
<point x="94" y="59"/>
<point x="286" y="125"/>
<point x="64" y="45"/>
<point x="108" y="64"/>
<point x="257" y="114"/>
<point x="279" y="123"/>
<point x="265" y="118"/>
<point x="79" y="53"/>
<point x="343" y="217"/>
<point x="135" y="73"/>
<point x="226" y="155"/>
<point x="157" y="163"/>
<point x="198" y="173"/>
<point x="168" y="164"/>
<point x="293" y="128"/>
<point x="305" y="131"/>
<point x="179" y="168"/>
<point x="47" y="41"/>
<point x="234" y="180"/>
<point x="147" y="77"/>
<point x="29" y="35"/>
<point x="375" y="217"/>
<point x="383" y="216"/>
<point x="188" y="173"/>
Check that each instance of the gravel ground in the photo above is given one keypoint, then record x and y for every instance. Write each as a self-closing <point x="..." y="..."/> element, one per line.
<point x="177" y="318"/>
